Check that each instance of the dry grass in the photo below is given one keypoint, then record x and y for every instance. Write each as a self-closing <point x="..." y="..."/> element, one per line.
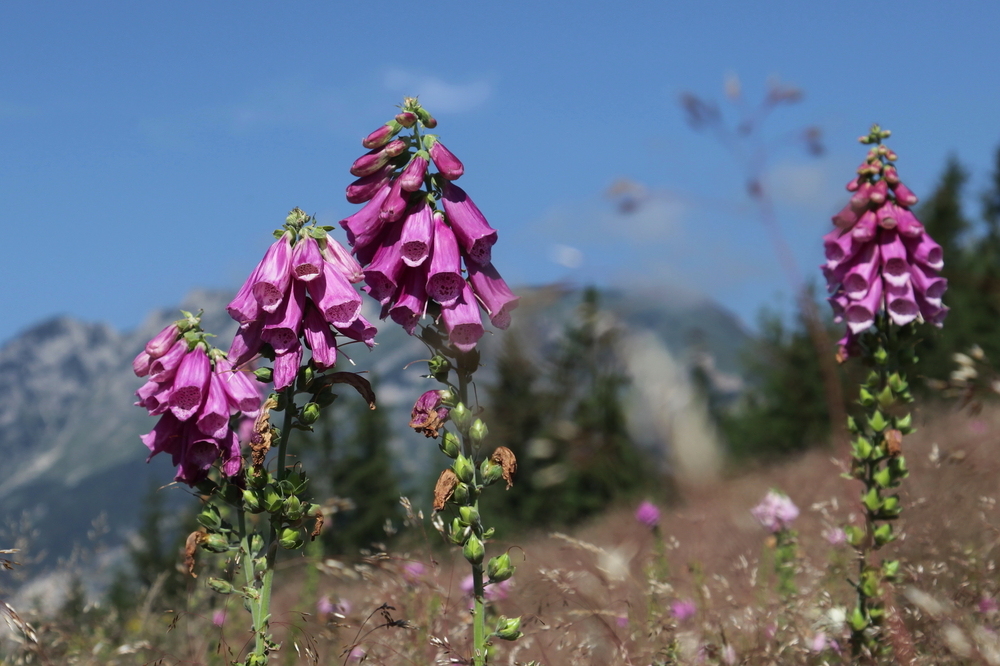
<point x="603" y="595"/>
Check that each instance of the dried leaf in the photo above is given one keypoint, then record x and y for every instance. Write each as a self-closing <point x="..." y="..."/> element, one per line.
<point x="318" y="527"/>
<point x="360" y="384"/>
<point x="444" y="488"/>
<point x="894" y="442"/>
<point x="505" y="458"/>
<point x="190" y="547"/>
<point x="260" y="438"/>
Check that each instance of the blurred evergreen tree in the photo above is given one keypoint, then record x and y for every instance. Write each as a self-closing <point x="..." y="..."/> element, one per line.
<point x="566" y="425"/>
<point x="360" y="469"/>
<point x="784" y="409"/>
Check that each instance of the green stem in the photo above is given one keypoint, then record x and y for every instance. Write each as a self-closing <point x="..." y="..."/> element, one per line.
<point x="263" y="615"/>
<point x="478" y="588"/>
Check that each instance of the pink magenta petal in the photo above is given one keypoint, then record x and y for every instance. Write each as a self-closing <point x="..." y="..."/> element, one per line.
<point x="307" y="261"/>
<point x="321" y="340"/>
<point x="282" y="328"/>
<point x="463" y="322"/>
<point x="334" y="296"/>
<point x="473" y="232"/>
<point x="895" y="268"/>
<point x="493" y="293"/>
<point x="190" y="384"/>
<point x="444" y="279"/>
<point x="417" y="234"/>
<point x="275" y="274"/>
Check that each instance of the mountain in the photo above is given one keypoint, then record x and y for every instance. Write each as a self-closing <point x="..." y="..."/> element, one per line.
<point x="69" y="433"/>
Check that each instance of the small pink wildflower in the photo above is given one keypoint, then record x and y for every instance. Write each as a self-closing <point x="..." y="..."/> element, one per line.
<point x="818" y="642"/>
<point x="648" y="514"/>
<point x="219" y="617"/>
<point x="835" y="536"/>
<point x="324" y="606"/>
<point x="622" y="621"/>
<point x="494" y="592"/>
<point x="987" y="605"/>
<point x="683" y="609"/>
<point x="413" y="572"/>
<point x="775" y="512"/>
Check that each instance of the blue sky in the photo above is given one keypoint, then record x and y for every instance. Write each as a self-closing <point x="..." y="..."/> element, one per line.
<point x="150" y="148"/>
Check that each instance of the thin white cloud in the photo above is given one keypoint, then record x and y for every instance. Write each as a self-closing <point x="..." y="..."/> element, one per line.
<point x="437" y="95"/>
<point x="808" y="186"/>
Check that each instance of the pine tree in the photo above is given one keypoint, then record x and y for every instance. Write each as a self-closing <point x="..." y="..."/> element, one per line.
<point x="568" y="427"/>
<point x="361" y="470"/>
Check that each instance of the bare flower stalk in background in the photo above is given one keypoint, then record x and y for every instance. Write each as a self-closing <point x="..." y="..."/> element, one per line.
<point x="751" y="153"/>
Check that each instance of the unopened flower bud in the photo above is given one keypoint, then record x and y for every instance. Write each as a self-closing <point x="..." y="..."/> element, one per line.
<point x="447" y="164"/>
<point x="499" y="568"/>
<point x="461" y="416"/>
<point x="457" y="532"/>
<point x="383" y="134"/>
<point x="438" y="367"/>
<point x="310" y="413"/>
<point x="406" y="118"/>
<point x="290" y="539"/>
<point x="473" y="550"/>
<point x="468" y="515"/>
<point x="210" y="517"/>
<point x="491" y="472"/>
<point x="426" y="118"/>
<point x="449" y="445"/>
<point x="413" y="175"/>
<point x="215" y="543"/>
<point x="263" y="375"/>
<point x="508" y="629"/>
<point x="461" y="494"/>
<point x="293" y="508"/>
<point x="220" y="586"/>
<point x="250" y="500"/>
<point x="478" y="432"/>
<point x="464" y="469"/>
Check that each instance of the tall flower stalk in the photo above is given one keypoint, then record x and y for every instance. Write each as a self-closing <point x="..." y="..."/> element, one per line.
<point x="881" y="270"/>
<point x="426" y="251"/>
<point x="295" y="310"/>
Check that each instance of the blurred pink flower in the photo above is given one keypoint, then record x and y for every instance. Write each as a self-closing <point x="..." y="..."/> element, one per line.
<point x="835" y="536"/>
<point x="987" y="605"/>
<point x="683" y="609"/>
<point x="324" y="605"/>
<point x="413" y="572"/>
<point x="775" y="512"/>
<point x="219" y="617"/>
<point x="357" y="654"/>
<point x="622" y="621"/>
<point x="494" y="592"/>
<point x="648" y="514"/>
<point x="818" y="642"/>
<point x="728" y="655"/>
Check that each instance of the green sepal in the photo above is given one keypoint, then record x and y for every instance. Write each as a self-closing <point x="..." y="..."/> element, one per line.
<point x="290" y="539"/>
<point x="858" y="621"/>
<point x="865" y="397"/>
<point x="862" y="448"/>
<point x="905" y="424"/>
<point x="871" y="500"/>
<point x="855" y="535"/>
<point x="890" y="569"/>
<point x="250" y="501"/>
<point x="852" y="426"/>
<point x="886" y="398"/>
<point x="890" y="506"/>
<point x="880" y="355"/>
<point x="449" y="444"/>
<point x="883" y="478"/>
<point x="877" y="421"/>
<point x="883" y="534"/>
<point x="499" y="568"/>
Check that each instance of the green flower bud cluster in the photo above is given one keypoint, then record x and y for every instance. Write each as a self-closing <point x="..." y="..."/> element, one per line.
<point x="877" y="461"/>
